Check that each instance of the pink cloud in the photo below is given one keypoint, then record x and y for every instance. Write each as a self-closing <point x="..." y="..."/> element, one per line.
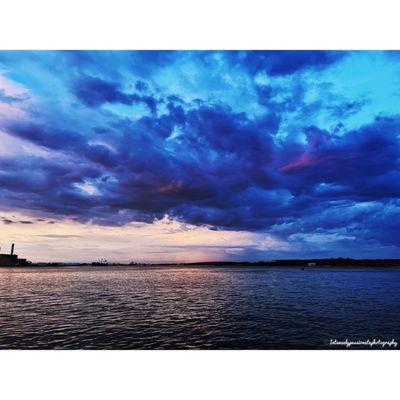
<point x="169" y="187"/>
<point x="305" y="160"/>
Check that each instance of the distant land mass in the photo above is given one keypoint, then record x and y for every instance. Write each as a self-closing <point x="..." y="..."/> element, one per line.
<point x="312" y="262"/>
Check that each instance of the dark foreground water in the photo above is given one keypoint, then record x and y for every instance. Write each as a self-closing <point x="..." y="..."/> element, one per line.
<point x="196" y="308"/>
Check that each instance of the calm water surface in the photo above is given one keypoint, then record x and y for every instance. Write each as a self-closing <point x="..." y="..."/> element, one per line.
<point x="196" y="308"/>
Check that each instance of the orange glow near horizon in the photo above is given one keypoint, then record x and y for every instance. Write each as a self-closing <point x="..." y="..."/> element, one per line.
<point x="162" y="241"/>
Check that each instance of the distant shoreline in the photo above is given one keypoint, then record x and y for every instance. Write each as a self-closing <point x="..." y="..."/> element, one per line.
<point x="308" y="263"/>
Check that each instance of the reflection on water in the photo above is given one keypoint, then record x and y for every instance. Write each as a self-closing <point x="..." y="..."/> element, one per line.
<point x="195" y="308"/>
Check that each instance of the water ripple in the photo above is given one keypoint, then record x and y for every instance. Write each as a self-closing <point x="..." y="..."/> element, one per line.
<point x="195" y="308"/>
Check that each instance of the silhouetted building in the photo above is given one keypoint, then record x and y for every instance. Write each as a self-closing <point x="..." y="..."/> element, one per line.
<point x="12" y="260"/>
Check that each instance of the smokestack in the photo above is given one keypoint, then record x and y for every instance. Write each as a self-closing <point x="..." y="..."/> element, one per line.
<point x="12" y="249"/>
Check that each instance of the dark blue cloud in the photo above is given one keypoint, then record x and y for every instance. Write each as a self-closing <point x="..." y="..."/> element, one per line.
<point x="141" y="86"/>
<point x="284" y="62"/>
<point x="94" y="92"/>
<point x="224" y="170"/>
<point x="277" y="167"/>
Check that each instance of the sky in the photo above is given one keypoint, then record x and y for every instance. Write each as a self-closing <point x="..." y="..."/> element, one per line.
<point x="180" y="156"/>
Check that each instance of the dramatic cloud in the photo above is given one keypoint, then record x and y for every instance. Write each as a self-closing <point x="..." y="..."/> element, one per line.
<point x="94" y="92"/>
<point x="272" y="143"/>
<point x="284" y="62"/>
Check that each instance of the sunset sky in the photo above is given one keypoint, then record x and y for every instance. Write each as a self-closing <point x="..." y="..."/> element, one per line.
<point x="204" y="155"/>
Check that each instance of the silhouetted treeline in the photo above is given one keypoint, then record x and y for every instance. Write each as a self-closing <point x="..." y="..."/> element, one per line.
<point x="320" y="262"/>
<point x="312" y="262"/>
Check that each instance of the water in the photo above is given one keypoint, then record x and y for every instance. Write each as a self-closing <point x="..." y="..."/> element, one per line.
<point x="196" y="308"/>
